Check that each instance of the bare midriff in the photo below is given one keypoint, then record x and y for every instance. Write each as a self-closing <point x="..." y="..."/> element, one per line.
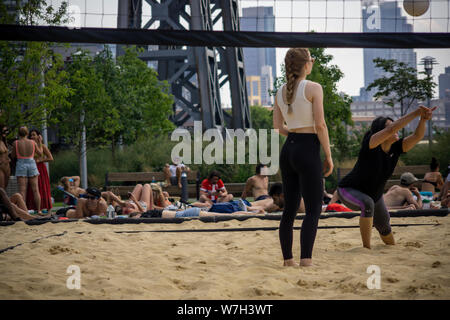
<point x="303" y="130"/>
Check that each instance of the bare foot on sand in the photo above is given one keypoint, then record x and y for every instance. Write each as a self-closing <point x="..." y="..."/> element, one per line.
<point x="290" y="263"/>
<point x="306" y="262"/>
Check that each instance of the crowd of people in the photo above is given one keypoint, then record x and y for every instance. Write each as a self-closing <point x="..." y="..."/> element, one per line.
<point x="26" y="159"/>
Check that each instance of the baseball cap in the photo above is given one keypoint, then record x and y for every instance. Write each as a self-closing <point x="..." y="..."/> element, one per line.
<point x="407" y="178"/>
<point x="94" y="191"/>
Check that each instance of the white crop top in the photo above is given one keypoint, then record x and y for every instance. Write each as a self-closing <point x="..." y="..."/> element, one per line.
<point x="301" y="115"/>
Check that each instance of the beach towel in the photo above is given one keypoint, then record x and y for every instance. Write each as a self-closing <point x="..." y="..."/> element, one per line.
<point x="336" y="207"/>
<point x="228" y="207"/>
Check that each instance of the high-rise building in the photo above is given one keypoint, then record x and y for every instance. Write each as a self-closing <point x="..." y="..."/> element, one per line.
<point x="254" y="90"/>
<point x="444" y="94"/>
<point x="444" y="83"/>
<point x="266" y="85"/>
<point x="390" y="20"/>
<point x="258" y="59"/>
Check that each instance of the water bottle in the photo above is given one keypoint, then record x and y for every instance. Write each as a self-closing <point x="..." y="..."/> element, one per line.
<point x="110" y="212"/>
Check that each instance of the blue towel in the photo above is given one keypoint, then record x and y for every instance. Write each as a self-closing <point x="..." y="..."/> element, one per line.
<point x="228" y="207"/>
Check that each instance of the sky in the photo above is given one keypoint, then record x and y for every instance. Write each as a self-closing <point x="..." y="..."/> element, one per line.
<point x="291" y="16"/>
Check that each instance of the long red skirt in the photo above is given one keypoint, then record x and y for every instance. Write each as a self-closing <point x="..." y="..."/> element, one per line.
<point x="44" y="189"/>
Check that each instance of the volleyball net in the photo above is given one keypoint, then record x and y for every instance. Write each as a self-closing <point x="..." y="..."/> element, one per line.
<point x="261" y="23"/>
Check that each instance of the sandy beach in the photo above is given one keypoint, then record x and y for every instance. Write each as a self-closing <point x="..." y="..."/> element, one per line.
<point x="222" y="265"/>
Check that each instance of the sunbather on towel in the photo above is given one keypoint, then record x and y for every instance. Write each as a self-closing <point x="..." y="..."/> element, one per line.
<point x="191" y="212"/>
<point x="140" y="200"/>
<point x="72" y="185"/>
<point x="14" y="208"/>
<point x="276" y="201"/>
<point x="91" y="204"/>
<point x="401" y="196"/>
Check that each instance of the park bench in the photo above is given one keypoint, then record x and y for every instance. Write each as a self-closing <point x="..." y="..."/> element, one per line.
<point x="128" y="181"/>
<point x="418" y="171"/>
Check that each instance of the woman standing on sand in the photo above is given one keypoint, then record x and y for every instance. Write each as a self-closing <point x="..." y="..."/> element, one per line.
<point x="299" y="104"/>
<point x="43" y="179"/>
<point x="24" y="150"/>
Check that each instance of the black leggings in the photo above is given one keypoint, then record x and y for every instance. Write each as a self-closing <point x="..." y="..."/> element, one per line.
<point x="301" y="172"/>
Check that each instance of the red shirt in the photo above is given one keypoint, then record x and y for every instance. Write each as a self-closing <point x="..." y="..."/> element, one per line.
<point x="209" y="188"/>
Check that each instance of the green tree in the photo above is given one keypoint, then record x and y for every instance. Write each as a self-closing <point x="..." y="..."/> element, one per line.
<point x="146" y="103"/>
<point x="31" y="79"/>
<point x="90" y="105"/>
<point x="401" y="85"/>
<point x="261" y="118"/>
<point x="336" y="105"/>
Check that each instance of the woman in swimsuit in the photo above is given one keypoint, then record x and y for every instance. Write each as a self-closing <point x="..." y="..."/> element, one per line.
<point x="43" y="179"/>
<point x="5" y="170"/>
<point x="433" y="179"/>
<point x="24" y="151"/>
<point x="140" y="200"/>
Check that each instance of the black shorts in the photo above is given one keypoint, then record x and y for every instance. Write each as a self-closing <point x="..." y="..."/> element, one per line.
<point x="264" y="196"/>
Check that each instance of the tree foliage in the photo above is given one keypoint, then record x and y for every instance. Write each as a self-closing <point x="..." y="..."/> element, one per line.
<point x="401" y="85"/>
<point x="32" y="82"/>
<point x="261" y="117"/>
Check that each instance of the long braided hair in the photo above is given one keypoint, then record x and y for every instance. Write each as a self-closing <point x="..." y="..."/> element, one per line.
<point x="294" y="62"/>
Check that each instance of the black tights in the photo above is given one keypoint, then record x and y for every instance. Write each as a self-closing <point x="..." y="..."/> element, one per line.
<point x="301" y="172"/>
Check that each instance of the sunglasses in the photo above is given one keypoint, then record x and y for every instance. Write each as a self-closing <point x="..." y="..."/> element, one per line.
<point x="91" y="197"/>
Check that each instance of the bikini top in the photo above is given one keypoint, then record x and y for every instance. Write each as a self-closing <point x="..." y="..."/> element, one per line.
<point x="431" y="182"/>
<point x="21" y="157"/>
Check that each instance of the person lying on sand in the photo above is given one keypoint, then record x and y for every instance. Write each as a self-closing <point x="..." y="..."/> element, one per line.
<point x="402" y="196"/>
<point x="14" y="208"/>
<point x="191" y="212"/>
<point x="273" y="203"/>
<point x="276" y="201"/>
<point x="91" y="204"/>
<point x="140" y="199"/>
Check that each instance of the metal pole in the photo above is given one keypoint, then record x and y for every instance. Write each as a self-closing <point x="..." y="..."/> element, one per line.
<point x="83" y="161"/>
<point x="430" y="137"/>
<point x="44" y="125"/>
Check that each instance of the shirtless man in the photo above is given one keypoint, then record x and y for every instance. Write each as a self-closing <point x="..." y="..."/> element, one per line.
<point x="91" y="204"/>
<point x="257" y="185"/>
<point x="401" y="197"/>
<point x="275" y="202"/>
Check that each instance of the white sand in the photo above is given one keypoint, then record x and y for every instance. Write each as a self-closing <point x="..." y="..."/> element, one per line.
<point x="222" y="265"/>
